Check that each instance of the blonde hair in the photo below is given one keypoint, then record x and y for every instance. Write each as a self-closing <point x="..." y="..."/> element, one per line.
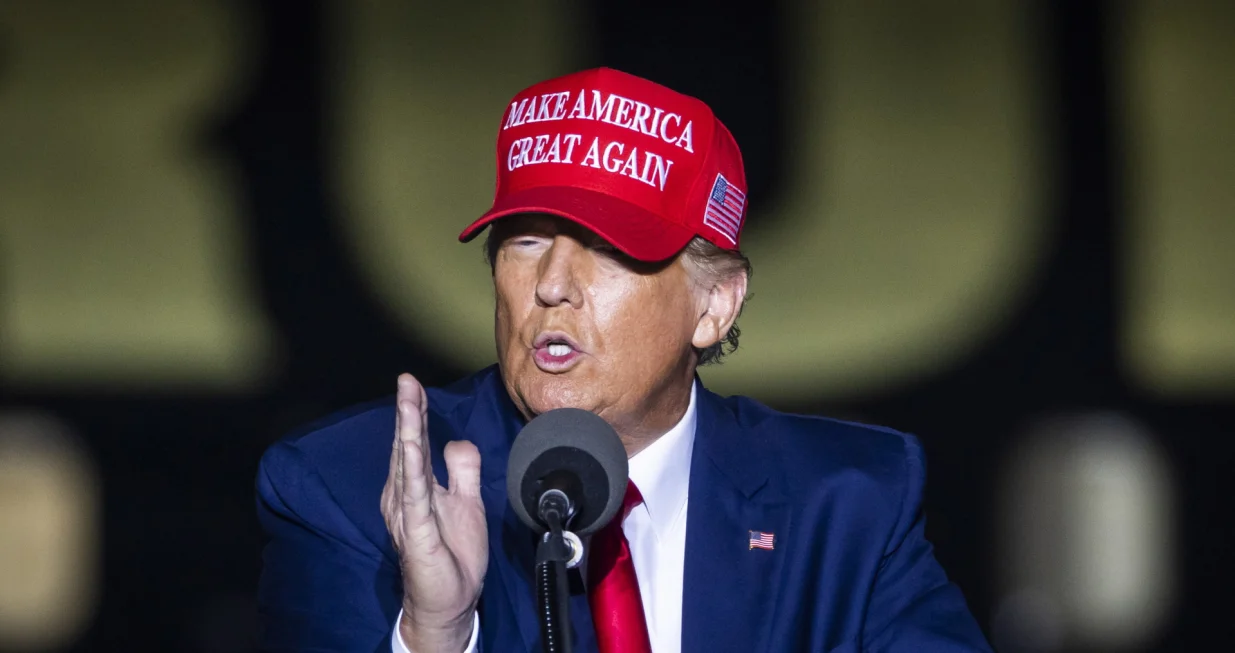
<point x="713" y="265"/>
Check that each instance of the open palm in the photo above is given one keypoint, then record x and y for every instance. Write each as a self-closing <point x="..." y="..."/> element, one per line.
<point x="439" y="532"/>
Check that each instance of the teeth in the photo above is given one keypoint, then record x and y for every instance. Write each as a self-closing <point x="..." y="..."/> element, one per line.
<point x="559" y="350"/>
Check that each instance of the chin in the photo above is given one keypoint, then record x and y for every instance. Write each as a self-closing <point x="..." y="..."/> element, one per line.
<point x="546" y="392"/>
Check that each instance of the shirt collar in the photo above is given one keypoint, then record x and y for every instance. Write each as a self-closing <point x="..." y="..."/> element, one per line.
<point x="661" y="471"/>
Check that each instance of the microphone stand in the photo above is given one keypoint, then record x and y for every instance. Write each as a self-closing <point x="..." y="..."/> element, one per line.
<point x="554" y="551"/>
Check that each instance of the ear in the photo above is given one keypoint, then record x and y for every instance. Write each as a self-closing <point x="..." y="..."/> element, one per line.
<point x="720" y="311"/>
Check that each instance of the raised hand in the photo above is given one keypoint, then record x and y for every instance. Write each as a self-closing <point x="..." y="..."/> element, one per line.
<point x="438" y="532"/>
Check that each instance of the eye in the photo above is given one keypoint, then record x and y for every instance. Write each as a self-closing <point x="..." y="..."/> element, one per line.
<point x="525" y="241"/>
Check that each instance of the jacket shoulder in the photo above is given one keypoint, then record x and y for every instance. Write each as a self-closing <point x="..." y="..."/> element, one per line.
<point x="820" y="452"/>
<point x="349" y="450"/>
<point x="370" y="425"/>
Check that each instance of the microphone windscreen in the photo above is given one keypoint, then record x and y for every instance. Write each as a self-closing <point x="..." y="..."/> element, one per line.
<point x="571" y="444"/>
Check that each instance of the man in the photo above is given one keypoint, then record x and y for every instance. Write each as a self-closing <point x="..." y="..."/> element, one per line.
<point x="616" y="270"/>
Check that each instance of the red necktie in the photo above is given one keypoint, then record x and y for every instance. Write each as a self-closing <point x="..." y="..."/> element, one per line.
<point x="613" y="589"/>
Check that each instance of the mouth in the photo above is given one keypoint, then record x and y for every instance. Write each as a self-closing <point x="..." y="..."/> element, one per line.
<point x="555" y="352"/>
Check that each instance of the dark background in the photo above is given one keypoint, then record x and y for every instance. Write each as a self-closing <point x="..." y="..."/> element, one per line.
<point x="180" y="545"/>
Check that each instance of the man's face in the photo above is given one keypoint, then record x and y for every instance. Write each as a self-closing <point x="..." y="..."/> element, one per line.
<point x="579" y="324"/>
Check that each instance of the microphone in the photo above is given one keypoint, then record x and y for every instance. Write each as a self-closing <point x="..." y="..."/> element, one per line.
<point x="571" y="461"/>
<point x="567" y="470"/>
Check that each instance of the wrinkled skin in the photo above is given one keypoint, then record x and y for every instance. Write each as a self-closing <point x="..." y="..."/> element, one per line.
<point x="634" y="324"/>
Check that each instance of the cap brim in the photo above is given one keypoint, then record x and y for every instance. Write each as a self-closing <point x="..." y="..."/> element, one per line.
<point x="636" y="231"/>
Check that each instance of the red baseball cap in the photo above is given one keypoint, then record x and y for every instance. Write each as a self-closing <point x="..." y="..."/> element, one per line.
<point x="643" y="166"/>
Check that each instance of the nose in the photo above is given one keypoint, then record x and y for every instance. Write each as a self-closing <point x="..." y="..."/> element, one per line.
<point x="558" y="274"/>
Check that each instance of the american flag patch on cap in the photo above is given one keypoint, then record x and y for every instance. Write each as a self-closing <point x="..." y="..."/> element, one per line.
<point x="724" y="210"/>
<point x="761" y="540"/>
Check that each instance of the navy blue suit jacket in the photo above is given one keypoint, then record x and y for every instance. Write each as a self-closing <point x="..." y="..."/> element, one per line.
<point x="851" y="570"/>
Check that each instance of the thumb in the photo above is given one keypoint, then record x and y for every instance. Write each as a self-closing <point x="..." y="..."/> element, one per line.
<point x="463" y="467"/>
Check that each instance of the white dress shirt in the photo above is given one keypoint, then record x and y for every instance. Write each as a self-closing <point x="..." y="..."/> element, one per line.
<point x="656" y="530"/>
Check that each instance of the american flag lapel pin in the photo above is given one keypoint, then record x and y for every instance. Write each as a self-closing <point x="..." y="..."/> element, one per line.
<point x="761" y="540"/>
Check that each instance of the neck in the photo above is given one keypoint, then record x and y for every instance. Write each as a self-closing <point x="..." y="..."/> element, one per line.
<point x="663" y="410"/>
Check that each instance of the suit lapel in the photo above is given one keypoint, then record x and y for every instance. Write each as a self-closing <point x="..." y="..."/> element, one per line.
<point x="509" y="606"/>
<point x="507" y="616"/>
<point x="730" y="589"/>
<point x="511" y="616"/>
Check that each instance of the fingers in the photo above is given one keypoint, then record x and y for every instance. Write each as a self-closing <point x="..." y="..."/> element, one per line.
<point x="420" y="532"/>
<point x="411" y="390"/>
<point x="416" y="394"/>
<point x="394" y="478"/>
<point x="393" y="490"/>
<point x="412" y="415"/>
<point x="463" y="468"/>
<point x="415" y="490"/>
